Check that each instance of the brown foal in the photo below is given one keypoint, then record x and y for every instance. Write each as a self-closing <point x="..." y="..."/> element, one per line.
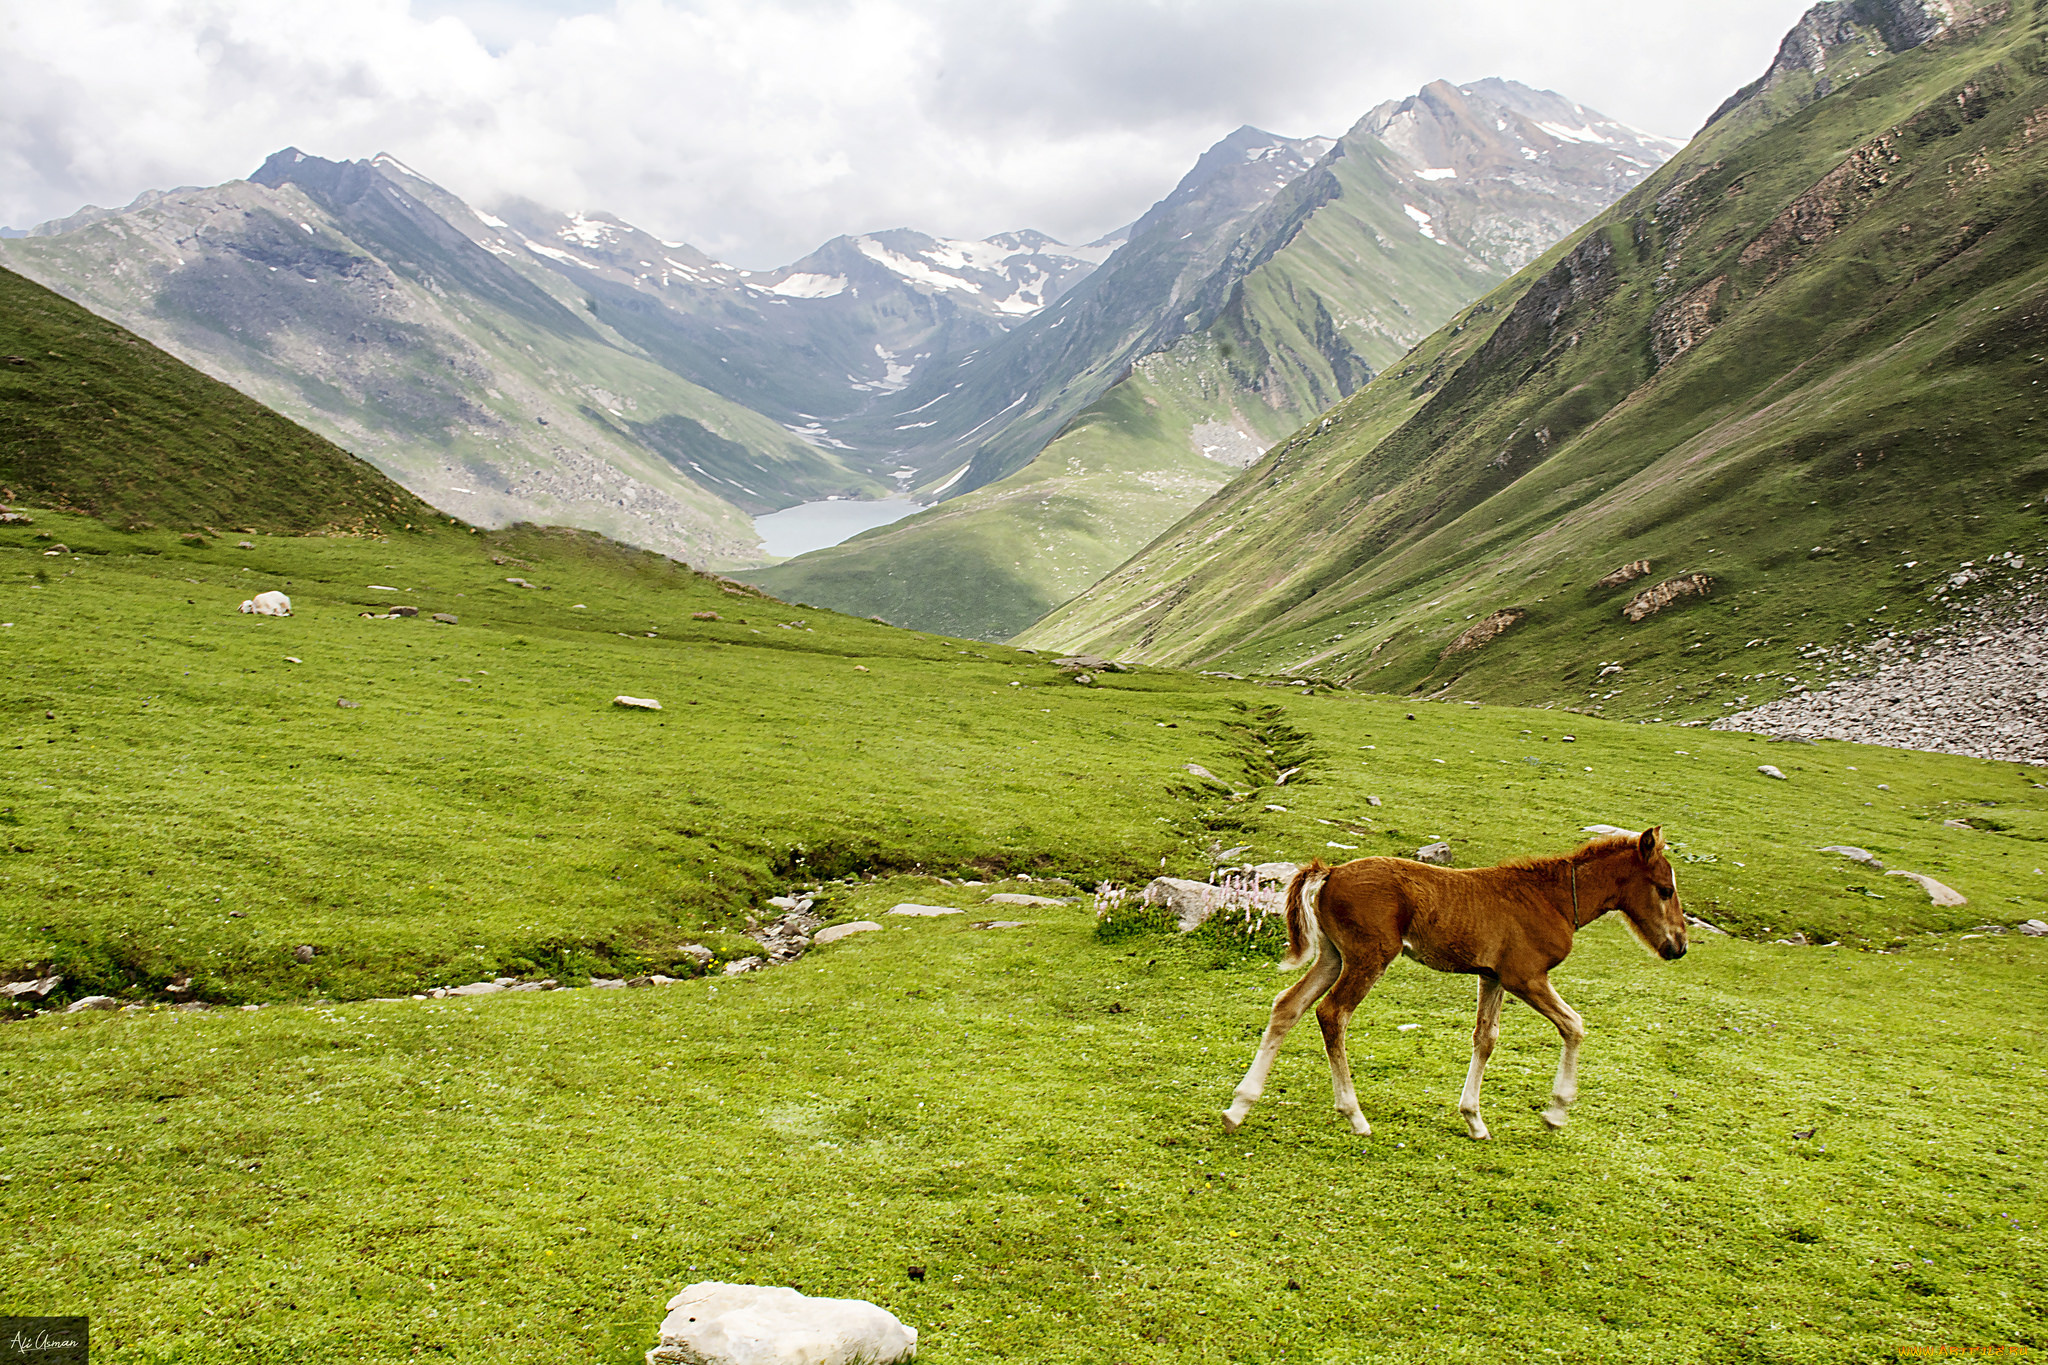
<point x="1507" y="925"/>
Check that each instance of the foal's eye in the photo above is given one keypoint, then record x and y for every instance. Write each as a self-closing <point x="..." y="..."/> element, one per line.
<point x="1667" y="892"/>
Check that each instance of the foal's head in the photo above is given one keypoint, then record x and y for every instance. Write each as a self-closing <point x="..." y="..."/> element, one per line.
<point x="1649" y="897"/>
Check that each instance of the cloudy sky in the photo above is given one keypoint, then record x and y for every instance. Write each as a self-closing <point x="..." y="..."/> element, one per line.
<point x="756" y="129"/>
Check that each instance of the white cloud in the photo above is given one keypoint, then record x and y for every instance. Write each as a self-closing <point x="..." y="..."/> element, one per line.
<point x="758" y="128"/>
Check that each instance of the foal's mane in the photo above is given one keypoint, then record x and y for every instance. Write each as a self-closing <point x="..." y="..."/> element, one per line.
<point x="1584" y="853"/>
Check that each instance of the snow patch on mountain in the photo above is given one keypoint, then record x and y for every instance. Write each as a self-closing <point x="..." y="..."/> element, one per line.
<point x="806" y="286"/>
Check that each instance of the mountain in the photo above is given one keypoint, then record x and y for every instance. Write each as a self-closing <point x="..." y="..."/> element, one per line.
<point x="532" y="365"/>
<point x="1200" y="352"/>
<point x="1784" y="380"/>
<point x="94" y="419"/>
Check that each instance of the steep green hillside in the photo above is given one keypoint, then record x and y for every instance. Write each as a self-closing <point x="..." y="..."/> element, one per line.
<point x="1793" y="369"/>
<point x="1417" y="210"/>
<point x="97" y="420"/>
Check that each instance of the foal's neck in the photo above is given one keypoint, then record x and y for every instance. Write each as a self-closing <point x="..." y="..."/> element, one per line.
<point x="1589" y="886"/>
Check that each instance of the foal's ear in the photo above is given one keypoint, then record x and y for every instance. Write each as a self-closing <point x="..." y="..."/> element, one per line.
<point x="1650" y="842"/>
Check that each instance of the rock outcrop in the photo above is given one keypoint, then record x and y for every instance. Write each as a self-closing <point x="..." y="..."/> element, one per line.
<point x="711" y="1323"/>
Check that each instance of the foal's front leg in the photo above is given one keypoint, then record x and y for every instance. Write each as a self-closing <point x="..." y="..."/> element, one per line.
<point x="1544" y="999"/>
<point x="1485" y="1033"/>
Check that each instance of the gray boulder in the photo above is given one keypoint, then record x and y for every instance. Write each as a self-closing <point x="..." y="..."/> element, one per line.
<point x="1191" y="902"/>
<point x="93" y="1002"/>
<point x="747" y="1324"/>
<point x="839" y="931"/>
<point x="745" y="964"/>
<point x="1770" y="770"/>
<point x="1438" y="853"/>
<point x="1015" y="898"/>
<point x="2034" y="928"/>
<point x="478" y="988"/>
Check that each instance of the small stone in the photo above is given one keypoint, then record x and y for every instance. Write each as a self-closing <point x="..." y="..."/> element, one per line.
<point x="1014" y="898"/>
<point x="711" y="1323"/>
<point x="705" y="616"/>
<point x="245" y="545"/>
<point x="784" y="902"/>
<point x="1372" y="800"/>
<point x="93" y="1002"/>
<point x="1199" y="771"/>
<point x="446" y="618"/>
<point x="1769" y="770"/>
<point x="38" y="989"/>
<point x="2034" y="928"/>
<point x="698" y="954"/>
<point x="305" y="952"/>
<point x="839" y="931"/>
<point x="1956" y="824"/>
<point x="1439" y="853"/>
<point x="607" y="983"/>
<point x="407" y="611"/>
<point x="913" y="911"/>
<point x="478" y="988"/>
<point x="636" y="982"/>
<point x="1936" y="892"/>
<point x="1608" y="829"/>
<point x="744" y="964"/>
<point x="637" y="703"/>
<point x="997" y="924"/>
<point x="345" y="704"/>
<point x="1854" y="854"/>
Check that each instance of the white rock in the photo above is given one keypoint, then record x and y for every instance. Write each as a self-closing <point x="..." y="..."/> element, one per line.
<point x="268" y="604"/>
<point x="478" y="988"/>
<point x="698" y="954"/>
<point x="1276" y="872"/>
<point x="607" y="983"/>
<point x="1854" y="854"/>
<point x="786" y="902"/>
<point x="744" y="965"/>
<point x="1013" y="898"/>
<point x="638" y="703"/>
<point x="1191" y="902"/>
<point x="1936" y="892"/>
<point x="839" y="931"/>
<point x="747" y="1324"/>
<point x="1769" y="771"/>
<point x="1439" y="853"/>
<point x="1608" y="829"/>
<point x="2034" y="928"/>
<point x="924" y="911"/>
<point x="1199" y="771"/>
<point x="998" y="924"/>
<point x="93" y="1002"/>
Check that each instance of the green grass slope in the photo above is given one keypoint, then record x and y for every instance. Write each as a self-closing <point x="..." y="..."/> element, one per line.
<point x="96" y="420"/>
<point x="990" y="562"/>
<point x="1796" y="362"/>
<point x="1778" y="1154"/>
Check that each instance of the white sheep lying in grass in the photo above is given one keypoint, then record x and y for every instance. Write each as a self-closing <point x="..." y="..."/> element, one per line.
<point x="268" y="604"/>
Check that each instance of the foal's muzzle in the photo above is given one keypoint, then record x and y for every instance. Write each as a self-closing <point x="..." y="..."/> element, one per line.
<point x="1673" y="949"/>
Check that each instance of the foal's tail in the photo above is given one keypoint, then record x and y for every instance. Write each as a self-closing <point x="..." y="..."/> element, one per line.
<point x="1304" y="935"/>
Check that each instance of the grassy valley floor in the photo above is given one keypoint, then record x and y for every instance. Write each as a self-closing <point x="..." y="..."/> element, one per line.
<point x="1028" y="1114"/>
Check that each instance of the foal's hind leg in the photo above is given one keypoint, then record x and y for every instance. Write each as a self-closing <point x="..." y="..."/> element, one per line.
<point x="1485" y="1033"/>
<point x="1544" y="999"/>
<point x="1334" y="1013"/>
<point x="1287" y="1012"/>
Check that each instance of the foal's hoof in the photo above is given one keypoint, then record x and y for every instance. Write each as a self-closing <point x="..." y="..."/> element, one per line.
<point x="1232" y="1122"/>
<point x="1553" y="1119"/>
<point x="1476" y="1127"/>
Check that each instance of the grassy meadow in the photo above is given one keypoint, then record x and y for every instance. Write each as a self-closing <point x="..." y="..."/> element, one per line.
<point x="1028" y="1115"/>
